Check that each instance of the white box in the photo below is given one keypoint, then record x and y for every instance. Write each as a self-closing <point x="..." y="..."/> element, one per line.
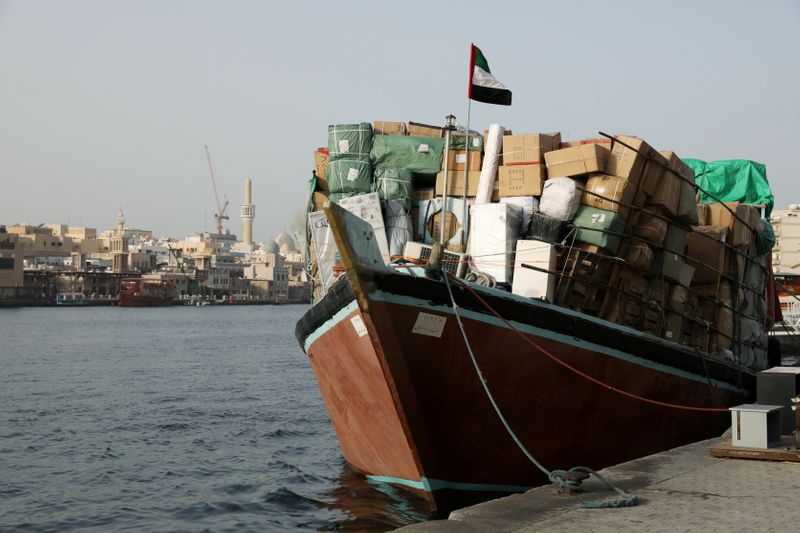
<point x="493" y="234"/>
<point x="534" y="283"/>
<point x="368" y="207"/>
<point x="755" y="426"/>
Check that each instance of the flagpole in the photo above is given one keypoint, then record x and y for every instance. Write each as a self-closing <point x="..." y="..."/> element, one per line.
<point x="464" y="221"/>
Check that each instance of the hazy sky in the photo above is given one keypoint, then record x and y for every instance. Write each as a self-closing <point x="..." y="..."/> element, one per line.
<point x="108" y="103"/>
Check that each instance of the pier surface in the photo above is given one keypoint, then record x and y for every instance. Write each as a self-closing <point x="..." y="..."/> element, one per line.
<point x="684" y="489"/>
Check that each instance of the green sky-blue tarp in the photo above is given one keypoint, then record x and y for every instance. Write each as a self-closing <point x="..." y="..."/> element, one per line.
<point x="733" y="180"/>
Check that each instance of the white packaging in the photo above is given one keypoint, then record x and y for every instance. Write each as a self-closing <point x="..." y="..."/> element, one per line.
<point x="323" y="246"/>
<point x="561" y="198"/>
<point x="493" y="234"/>
<point x="492" y="149"/>
<point x="534" y="283"/>
<point x="429" y="208"/>
<point x="398" y="227"/>
<point x="529" y="205"/>
<point x="368" y="207"/>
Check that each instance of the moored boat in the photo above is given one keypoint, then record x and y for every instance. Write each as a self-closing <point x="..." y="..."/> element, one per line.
<point x="408" y="405"/>
<point x="138" y="292"/>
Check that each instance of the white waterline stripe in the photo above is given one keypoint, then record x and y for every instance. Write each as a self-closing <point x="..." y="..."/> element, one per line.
<point x="430" y="484"/>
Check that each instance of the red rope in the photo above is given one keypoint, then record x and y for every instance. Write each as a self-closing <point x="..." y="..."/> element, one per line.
<point x="586" y="376"/>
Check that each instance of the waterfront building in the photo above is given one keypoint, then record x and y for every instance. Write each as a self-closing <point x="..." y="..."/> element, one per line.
<point x="11" y="258"/>
<point x="786" y="253"/>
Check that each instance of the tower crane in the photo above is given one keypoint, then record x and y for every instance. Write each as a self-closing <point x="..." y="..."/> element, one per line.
<point x="220" y="215"/>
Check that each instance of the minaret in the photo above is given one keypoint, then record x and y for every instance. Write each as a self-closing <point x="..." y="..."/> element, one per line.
<point x="119" y="246"/>
<point x="248" y="212"/>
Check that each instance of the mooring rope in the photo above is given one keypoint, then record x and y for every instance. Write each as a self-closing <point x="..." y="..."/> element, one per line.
<point x="561" y="478"/>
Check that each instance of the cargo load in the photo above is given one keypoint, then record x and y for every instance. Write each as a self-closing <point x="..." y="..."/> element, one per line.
<point x="599" y="227"/>
<point x="561" y="198"/>
<point x="349" y="176"/>
<point x="577" y="160"/>
<point x="494" y="230"/>
<point x="394" y="184"/>
<point x="381" y="127"/>
<point x="349" y="141"/>
<point x="540" y="281"/>
<point x="422" y="155"/>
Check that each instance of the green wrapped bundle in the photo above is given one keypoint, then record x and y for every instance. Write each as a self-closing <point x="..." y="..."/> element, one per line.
<point x="475" y="141"/>
<point x="350" y="141"/>
<point x="422" y="155"/>
<point x="349" y="175"/>
<point x="600" y="227"/>
<point x="394" y="184"/>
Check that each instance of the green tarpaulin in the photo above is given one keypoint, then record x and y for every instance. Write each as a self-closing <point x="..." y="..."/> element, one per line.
<point x="475" y="141"/>
<point x="733" y="180"/>
<point x="422" y="155"/>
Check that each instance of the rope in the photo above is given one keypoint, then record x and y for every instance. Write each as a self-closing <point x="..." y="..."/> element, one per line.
<point x="583" y="374"/>
<point x="561" y="478"/>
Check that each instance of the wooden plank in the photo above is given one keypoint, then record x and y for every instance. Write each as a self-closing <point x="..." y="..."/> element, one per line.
<point x="786" y="451"/>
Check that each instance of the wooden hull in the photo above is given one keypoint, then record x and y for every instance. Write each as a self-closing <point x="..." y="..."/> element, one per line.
<point x="409" y="408"/>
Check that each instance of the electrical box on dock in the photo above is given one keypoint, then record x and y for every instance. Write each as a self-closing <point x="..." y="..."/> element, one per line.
<point x="777" y="386"/>
<point x="755" y="426"/>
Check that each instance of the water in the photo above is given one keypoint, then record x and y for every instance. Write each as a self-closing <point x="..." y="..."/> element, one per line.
<point x="173" y="419"/>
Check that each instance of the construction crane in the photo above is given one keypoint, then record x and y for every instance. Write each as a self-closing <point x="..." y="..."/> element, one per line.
<point x="220" y="215"/>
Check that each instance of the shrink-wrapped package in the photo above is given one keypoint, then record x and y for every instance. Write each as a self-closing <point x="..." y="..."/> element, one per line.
<point x="600" y="227"/>
<point x="422" y="155"/>
<point x="398" y="227"/>
<point x="529" y="206"/>
<point x="494" y="144"/>
<point x="561" y="198"/>
<point x="493" y="234"/>
<point x="545" y="228"/>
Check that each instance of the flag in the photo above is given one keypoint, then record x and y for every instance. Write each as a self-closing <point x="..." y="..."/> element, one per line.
<point x="483" y="87"/>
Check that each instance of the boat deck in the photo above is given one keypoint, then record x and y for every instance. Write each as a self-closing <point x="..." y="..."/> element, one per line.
<point x="684" y="489"/>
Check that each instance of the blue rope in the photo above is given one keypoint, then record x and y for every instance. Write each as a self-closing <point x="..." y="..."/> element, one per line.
<point x="558" y="477"/>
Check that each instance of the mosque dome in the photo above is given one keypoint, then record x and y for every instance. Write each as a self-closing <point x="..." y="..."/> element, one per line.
<point x="270" y="247"/>
<point x="286" y="243"/>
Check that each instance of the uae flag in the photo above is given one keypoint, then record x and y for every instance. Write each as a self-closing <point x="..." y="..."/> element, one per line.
<point x="483" y="87"/>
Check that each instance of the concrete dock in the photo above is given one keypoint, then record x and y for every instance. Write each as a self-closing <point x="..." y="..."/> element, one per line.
<point x="684" y="489"/>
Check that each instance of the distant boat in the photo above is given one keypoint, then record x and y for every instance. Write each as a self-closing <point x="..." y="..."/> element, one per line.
<point x="138" y="292"/>
<point x="71" y="299"/>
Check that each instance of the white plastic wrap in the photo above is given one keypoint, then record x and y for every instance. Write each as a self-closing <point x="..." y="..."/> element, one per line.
<point x="368" y="207"/>
<point x="398" y="227"/>
<point x="529" y="205"/>
<point x="561" y="198"/>
<point x="492" y="150"/>
<point x="323" y="247"/>
<point x="493" y="234"/>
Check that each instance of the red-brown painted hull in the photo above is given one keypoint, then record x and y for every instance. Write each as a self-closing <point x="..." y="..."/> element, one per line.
<point x="411" y="406"/>
<point x="134" y="301"/>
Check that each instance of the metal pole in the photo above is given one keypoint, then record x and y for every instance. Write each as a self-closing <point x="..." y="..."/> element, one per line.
<point x="450" y="120"/>
<point x="464" y="223"/>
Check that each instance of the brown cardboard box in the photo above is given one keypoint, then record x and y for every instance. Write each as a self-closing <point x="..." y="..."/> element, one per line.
<point x="423" y="194"/>
<point x="576" y="161"/>
<point x="423" y="130"/>
<point x="611" y="193"/>
<point x="521" y="180"/>
<point x="673" y="327"/>
<point x="706" y="254"/>
<point x="639" y="256"/>
<point x="651" y="228"/>
<point x="455" y="183"/>
<point x="667" y="192"/>
<point x="457" y="160"/>
<point x="318" y="200"/>
<point x="721" y="338"/>
<point x="627" y="163"/>
<point x="529" y="148"/>
<point x="746" y="215"/>
<point x="653" y="172"/>
<point x="321" y="157"/>
<point x="702" y="215"/>
<point x="380" y="127"/>
<point x="601" y="140"/>
<point x="676" y="270"/>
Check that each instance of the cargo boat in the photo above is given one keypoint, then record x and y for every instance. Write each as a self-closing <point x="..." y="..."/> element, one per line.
<point x="436" y="384"/>
<point x="138" y="292"/>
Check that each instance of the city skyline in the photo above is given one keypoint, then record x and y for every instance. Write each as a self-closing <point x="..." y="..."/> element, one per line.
<point x="110" y="104"/>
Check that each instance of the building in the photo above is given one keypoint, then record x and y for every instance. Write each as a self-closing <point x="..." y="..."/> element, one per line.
<point x="11" y="260"/>
<point x="786" y="253"/>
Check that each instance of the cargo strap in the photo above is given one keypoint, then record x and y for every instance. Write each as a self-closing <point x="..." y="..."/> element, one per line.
<point x="565" y="479"/>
